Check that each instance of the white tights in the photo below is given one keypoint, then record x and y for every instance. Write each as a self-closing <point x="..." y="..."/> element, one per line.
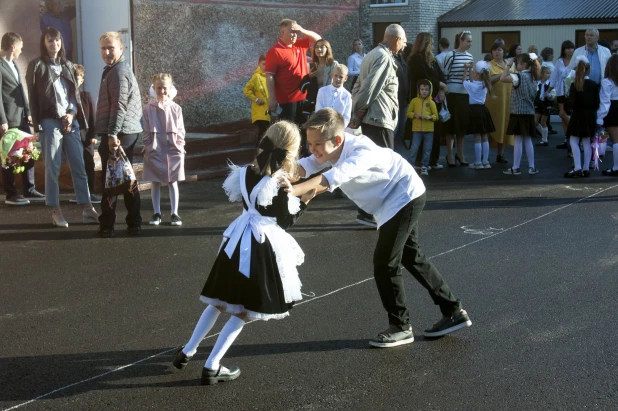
<point x="522" y="142"/>
<point x="155" y="192"/>
<point x="577" y="161"/>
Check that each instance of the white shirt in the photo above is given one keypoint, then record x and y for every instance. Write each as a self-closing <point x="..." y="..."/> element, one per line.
<point x="14" y="69"/>
<point x="476" y="90"/>
<point x="609" y="93"/>
<point x="558" y="75"/>
<point x="338" y="99"/>
<point x="354" y="63"/>
<point x="377" y="179"/>
<point x="440" y="58"/>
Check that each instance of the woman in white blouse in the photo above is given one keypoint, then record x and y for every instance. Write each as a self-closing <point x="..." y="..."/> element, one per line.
<point x="558" y="75"/>
<point x="355" y="60"/>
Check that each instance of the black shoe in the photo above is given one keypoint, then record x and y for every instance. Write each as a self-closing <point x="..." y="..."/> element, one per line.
<point x="134" y="231"/>
<point x="500" y="159"/>
<point x="448" y="163"/>
<point x="212" y="377"/>
<point x="34" y="195"/>
<point x="573" y="174"/>
<point x="107" y="232"/>
<point x="449" y="324"/>
<point x="461" y="163"/>
<point x="155" y="219"/>
<point x="181" y="359"/>
<point x="366" y="219"/>
<point x="542" y="144"/>
<point x="610" y="172"/>
<point x="585" y="173"/>
<point x="176" y="220"/>
<point x="562" y="146"/>
<point x="552" y="132"/>
<point x="338" y="193"/>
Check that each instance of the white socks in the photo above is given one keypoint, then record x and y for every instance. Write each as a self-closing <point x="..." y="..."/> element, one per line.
<point x="517" y="151"/>
<point x="577" y="159"/>
<point x="155" y="193"/>
<point x="485" y="152"/>
<point x="203" y="326"/>
<point x="544" y="133"/>
<point x="228" y="334"/>
<point x="529" y="151"/>
<point x="174" y="196"/>
<point x="478" y="152"/>
<point x="615" y="152"/>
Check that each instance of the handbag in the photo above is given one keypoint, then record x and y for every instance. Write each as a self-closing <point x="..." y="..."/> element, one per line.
<point x="119" y="175"/>
<point x="444" y="115"/>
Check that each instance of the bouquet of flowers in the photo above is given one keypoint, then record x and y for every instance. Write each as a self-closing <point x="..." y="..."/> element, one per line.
<point x="599" y="145"/>
<point x="16" y="149"/>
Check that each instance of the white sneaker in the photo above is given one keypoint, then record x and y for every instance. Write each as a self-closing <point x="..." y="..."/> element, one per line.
<point x="437" y="166"/>
<point x="486" y="164"/>
<point x="424" y="171"/>
<point x="533" y="170"/>
<point x="476" y="166"/>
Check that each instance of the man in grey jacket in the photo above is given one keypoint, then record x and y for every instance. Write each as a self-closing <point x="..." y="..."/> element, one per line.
<point x="118" y="123"/>
<point x="374" y="98"/>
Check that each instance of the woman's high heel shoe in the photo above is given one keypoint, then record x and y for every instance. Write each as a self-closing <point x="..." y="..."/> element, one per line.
<point x="90" y="216"/>
<point x="58" y="219"/>
<point x="448" y="163"/>
<point x="460" y="162"/>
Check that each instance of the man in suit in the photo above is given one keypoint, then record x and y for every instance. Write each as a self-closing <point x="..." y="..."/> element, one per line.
<point x="14" y="113"/>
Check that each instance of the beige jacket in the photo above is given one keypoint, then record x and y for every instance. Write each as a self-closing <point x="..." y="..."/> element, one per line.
<point x="375" y="91"/>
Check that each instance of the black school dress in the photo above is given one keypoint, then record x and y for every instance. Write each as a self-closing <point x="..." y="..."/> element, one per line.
<point x="255" y="270"/>
<point x="583" y="122"/>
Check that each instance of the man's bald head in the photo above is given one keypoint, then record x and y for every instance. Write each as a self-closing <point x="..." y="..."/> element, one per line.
<point x="395" y="38"/>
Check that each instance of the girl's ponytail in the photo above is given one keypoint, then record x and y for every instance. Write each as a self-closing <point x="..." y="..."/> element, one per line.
<point x="580" y="73"/>
<point x="457" y="40"/>
<point x="535" y="69"/>
<point x="487" y="82"/>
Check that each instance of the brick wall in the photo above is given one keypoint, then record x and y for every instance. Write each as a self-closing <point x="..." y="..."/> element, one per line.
<point x="415" y="17"/>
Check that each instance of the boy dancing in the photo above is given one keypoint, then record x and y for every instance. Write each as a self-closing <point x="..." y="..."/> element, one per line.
<point x="381" y="182"/>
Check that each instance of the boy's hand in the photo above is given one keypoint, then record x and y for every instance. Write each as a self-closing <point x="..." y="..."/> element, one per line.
<point x="305" y="198"/>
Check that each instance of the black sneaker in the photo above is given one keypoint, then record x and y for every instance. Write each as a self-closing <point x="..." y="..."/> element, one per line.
<point x="107" y="232"/>
<point x="181" y="359"/>
<point x="393" y="336"/>
<point x="562" y="146"/>
<point x="610" y="172"/>
<point x="542" y="144"/>
<point x="500" y="159"/>
<point x="176" y="219"/>
<point x="449" y="324"/>
<point x="366" y="219"/>
<point x="16" y="200"/>
<point x="134" y="231"/>
<point x="212" y="377"/>
<point x="155" y="219"/>
<point x="34" y="195"/>
<point x="512" y="171"/>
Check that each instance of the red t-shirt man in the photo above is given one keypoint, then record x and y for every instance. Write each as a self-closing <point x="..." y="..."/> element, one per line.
<point x="288" y="64"/>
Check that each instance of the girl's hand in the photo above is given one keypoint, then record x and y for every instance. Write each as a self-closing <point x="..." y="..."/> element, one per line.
<point x="305" y="198"/>
<point x="416" y="115"/>
<point x="428" y="117"/>
<point x="259" y="101"/>
<point x="286" y="184"/>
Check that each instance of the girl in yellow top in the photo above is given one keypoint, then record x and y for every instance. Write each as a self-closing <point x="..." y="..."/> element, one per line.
<point x="256" y="91"/>
<point x="423" y="112"/>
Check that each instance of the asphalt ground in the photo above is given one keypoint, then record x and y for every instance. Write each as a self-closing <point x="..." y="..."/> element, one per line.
<point x="92" y="324"/>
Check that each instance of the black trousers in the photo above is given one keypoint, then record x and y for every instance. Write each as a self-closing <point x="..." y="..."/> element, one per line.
<point x="8" y="177"/>
<point x="383" y="137"/>
<point x="131" y="199"/>
<point x="398" y="246"/>
<point x="262" y="126"/>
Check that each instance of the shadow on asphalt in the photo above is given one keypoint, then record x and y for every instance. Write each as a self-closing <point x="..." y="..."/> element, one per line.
<point x="518" y="202"/>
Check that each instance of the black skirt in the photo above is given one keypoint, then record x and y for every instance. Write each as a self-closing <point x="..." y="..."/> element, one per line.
<point x="583" y="123"/>
<point x="262" y="292"/>
<point x="611" y="119"/>
<point x="459" y="107"/>
<point x="521" y="125"/>
<point x="480" y="120"/>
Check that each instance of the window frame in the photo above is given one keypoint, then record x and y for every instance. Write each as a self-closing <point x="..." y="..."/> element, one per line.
<point x="498" y="34"/>
<point x="404" y="3"/>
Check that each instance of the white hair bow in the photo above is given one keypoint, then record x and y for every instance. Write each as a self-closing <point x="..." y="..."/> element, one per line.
<point x="481" y="66"/>
<point x="581" y="58"/>
<point x="172" y="92"/>
<point x="533" y="56"/>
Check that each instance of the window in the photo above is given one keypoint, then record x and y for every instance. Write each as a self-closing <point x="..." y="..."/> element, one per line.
<point x="509" y="37"/>
<point x="607" y="34"/>
<point x="387" y="3"/>
<point x="378" y="33"/>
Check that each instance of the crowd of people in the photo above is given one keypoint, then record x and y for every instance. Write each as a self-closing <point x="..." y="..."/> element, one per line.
<point x="364" y="126"/>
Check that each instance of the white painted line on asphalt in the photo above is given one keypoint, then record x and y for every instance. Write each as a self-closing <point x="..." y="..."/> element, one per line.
<point x="313" y="299"/>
